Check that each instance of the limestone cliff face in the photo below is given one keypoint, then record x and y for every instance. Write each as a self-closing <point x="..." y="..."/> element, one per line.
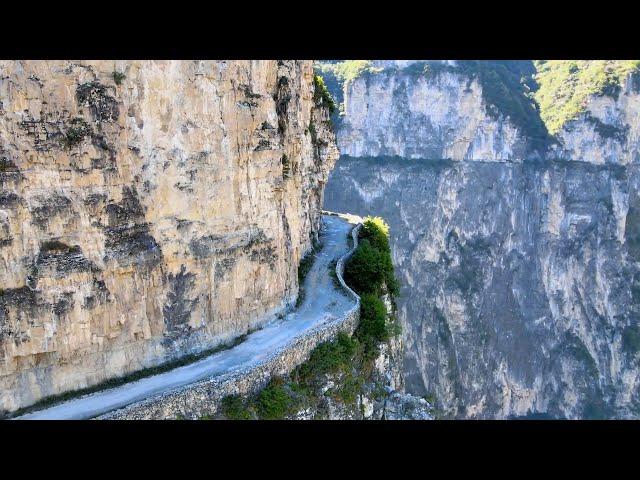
<point x="148" y="209"/>
<point x="519" y="276"/>
<point x="400" y="111"/>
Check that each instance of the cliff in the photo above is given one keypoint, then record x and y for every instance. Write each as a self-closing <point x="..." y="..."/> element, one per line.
<point x="435" y="109"/>
<point x="518" y="281"/>
<point x="149" y="210"/>
<point x="517" y="253"/>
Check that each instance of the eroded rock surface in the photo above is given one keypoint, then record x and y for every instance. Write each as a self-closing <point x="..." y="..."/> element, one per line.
<point x="148" y="209"/>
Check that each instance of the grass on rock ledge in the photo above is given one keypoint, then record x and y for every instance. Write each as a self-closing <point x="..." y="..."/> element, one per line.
<point x="566" y="85"/>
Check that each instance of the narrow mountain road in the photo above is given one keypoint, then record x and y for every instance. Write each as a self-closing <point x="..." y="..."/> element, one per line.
<point x="323" y="303"/>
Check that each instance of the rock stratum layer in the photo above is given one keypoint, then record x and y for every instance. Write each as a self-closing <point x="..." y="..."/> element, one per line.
<point x="520" y="273"/>
<point x="148" y="210"/>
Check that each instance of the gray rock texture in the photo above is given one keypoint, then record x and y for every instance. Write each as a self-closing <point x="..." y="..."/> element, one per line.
<point x="519" y="281"/>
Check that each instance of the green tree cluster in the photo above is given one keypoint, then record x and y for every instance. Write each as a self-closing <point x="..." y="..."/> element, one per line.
<point x="370" y="269"/>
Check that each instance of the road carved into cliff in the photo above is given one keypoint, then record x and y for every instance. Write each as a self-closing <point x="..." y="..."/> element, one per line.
<point x="324" y="303"/>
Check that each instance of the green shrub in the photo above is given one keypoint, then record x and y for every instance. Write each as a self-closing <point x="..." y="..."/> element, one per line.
<point x="233" y="408"/>
<point x="350" y="388"/>
<point x="369" y="272"/>
<point x="274" y="402"/>
<point x="365" y="271"/>
<point x="327" y="357"/>
<point x="342" y="359"/>
<point x="118" y="77"/>
<point x="371" y="268"/>
<point x="372" y="328"/>
<point x="376" y="231"/>
<point x="321" y="93"/>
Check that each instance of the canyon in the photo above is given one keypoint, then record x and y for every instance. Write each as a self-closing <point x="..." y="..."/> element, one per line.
<point x="156" y="211"/>
<point x="516" y="248"/>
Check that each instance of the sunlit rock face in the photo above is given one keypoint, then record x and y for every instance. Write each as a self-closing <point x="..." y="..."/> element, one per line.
<point x="148" y="209"/>
<point x="405" y="113"/>
<point x="520" y="275"/>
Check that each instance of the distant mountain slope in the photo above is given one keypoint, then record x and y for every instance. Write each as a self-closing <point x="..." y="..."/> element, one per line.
<point x="466" y="108"/>
<point x="566" y="85"/>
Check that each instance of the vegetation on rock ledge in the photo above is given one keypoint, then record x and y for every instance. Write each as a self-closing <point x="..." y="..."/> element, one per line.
<point x="346" y="70"/>
<point x="77" y="130"/>
<point x="321" y="94"/>
<point x="336" y="370"/>
<point x="508" y="88"/>
<point x="370" y="270"/>
<point x="118" y="77"/>
<point x="566" y="85"/>
<point x="337" y="74"/>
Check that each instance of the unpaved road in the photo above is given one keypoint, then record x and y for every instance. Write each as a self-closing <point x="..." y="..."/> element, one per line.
<point x="323" y="303"/>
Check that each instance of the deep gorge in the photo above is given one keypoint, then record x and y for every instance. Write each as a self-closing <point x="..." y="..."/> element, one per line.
<point x="154" y="211"/>
<point x="518" y="294"/>
<point x="517" y="255"/>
